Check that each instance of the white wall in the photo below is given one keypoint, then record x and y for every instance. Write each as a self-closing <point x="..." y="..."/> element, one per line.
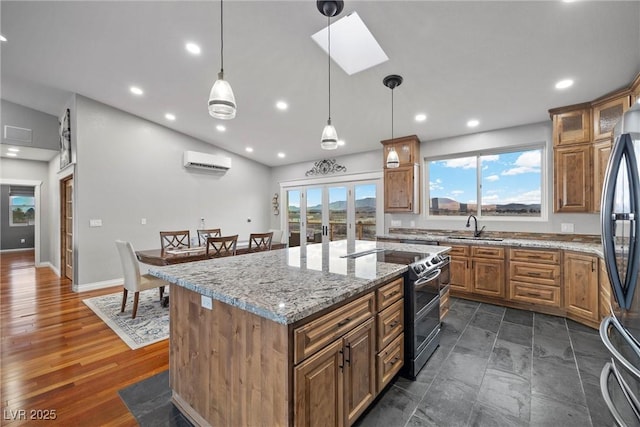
<point x="129" y="168"/>
<point x="501" y="138"/>
<point x="44" y="127"/>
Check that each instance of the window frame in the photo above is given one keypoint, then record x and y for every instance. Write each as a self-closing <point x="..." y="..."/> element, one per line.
<point x="11" y="207"/>
<point x="544" y="165"/>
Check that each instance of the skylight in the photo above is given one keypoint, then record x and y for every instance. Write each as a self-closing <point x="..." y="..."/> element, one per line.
<point x="353" y="47"/>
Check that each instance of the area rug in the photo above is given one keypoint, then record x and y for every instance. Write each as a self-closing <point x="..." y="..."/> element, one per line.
<point x="150" y="325"/>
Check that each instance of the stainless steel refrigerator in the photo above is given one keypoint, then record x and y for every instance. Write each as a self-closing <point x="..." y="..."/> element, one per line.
<point x="620" y="220"/>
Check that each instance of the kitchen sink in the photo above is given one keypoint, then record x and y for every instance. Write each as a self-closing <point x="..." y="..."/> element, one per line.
<point x="490" y="239"/>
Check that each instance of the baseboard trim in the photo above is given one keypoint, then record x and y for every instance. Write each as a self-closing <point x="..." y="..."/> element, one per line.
<point x="16" y="250"/>
<point x="97" y="285"/>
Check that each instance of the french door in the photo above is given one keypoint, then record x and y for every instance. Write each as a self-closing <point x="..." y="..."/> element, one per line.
<point x="337" y="211"/>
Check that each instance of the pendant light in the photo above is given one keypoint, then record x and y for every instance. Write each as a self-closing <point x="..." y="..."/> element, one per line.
<point x="392" y="82"/>
<point x="222" y="103"/>
<point x="329" y="139"/>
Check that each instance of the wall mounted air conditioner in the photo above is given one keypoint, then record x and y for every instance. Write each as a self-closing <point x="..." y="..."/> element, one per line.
<point x="212" y="162"/>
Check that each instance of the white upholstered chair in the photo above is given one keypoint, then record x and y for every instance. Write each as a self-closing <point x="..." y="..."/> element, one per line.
<point x="133" y="280"/>
<point x="277" y="235"/>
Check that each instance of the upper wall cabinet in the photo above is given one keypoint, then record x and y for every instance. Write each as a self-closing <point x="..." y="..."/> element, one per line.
<point x="606" y="114"/>
<point x="572" y="127"/>
<point x="402" y="184"/>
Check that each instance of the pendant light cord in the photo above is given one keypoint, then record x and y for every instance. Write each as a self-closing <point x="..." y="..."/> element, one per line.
<point x="221" y="39"/>
<point x="329" y="61"/>
<point x="391" y="113"/>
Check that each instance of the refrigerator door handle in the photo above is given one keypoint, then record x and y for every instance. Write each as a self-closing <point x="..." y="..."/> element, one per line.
<point x="608" y="370"/>
<point x="612" y="321"/>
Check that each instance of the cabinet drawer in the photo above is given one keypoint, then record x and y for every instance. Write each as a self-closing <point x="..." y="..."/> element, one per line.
<point x="487" y="252"/>
<point x="532" y="255"/>
<point x="315" y="335"/>
<point x="389" y="361"/>
<point x="539" y="274"/>
<point x="390" y="324"/>
<point x="535" y="294"/>
<point x="390" y="293"/>
<point x="459" y="251"/>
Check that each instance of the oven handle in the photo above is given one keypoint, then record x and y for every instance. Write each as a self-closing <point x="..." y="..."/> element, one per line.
<point x="423" y="280"/>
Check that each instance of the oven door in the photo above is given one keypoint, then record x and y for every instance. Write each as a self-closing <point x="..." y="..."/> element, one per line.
<point x="425" y="290"/>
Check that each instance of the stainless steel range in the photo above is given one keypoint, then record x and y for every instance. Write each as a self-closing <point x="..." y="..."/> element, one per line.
<point x="426" y="276"/>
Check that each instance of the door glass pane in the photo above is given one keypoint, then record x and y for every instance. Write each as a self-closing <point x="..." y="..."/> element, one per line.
<point x="293" y="217"/>
<point x="337" y="213"/>
<point x="314" y="215"/>
<point x="365" y="201"/>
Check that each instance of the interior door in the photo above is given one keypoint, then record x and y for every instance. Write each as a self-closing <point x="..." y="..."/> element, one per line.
<point x="66" y="227"/>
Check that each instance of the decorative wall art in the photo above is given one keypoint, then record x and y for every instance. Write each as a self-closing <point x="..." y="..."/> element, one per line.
<point x="325" y="167"/>
<point x="65" y="139"/>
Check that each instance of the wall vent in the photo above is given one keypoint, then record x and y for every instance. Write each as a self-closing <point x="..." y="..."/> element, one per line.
<point x="14" y="133"/>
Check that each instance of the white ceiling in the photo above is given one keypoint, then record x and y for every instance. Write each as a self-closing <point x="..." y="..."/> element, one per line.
<point x="494" y="61"/>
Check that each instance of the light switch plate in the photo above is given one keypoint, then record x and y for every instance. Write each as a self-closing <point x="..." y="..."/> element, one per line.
<point x="206" y="302"/>
<point x="95" y="223"/>
<point x="143" y="221"/>
<point x="566" y="227"/>
<point x="396" y="223"/>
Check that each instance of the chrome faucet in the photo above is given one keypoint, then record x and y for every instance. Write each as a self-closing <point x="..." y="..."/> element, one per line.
<point x="476" y="233"/>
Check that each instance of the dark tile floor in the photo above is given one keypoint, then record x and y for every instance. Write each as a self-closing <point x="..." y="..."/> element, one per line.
<point x="494" y="367"/>
<point x="498" y="366"/>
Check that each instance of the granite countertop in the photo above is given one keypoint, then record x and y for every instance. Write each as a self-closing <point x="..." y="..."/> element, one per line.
<point x="288" y="285"/>
<point x="591" y="248"/>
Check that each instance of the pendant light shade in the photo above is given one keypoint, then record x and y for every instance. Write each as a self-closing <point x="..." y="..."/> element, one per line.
<point x="329" y="139"/>
<point x="329" y="8"/>
<point x="392" y="82"/>
<point x="222" y="103"/>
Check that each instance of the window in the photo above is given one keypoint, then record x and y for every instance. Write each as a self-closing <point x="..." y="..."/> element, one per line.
<point x="22" y="210"/>
<point x="504" y="184"/>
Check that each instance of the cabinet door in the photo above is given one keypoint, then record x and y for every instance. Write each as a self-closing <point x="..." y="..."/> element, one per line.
<point x="359" y="370"/>
<point x="488" y="277"/>
<point x="319" y="388"/>
<point x="606" y="302"/>
<point x="399" y="189"/>
<point x="601" y="152"/>
<point x="408" y="149"/>
<point x="572" y="178"/>
<point x="581" y="285"/>
<point x="606" y="115"/>
<point x="459" y="274"/>
<point x="572" y="127"/>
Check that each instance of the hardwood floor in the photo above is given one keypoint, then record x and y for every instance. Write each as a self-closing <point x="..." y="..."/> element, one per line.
<point x="57" y="356"/>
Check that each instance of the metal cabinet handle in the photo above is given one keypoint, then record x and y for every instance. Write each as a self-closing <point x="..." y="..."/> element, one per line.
<point x="344" y="322"/>
<point x="349" y="357"/>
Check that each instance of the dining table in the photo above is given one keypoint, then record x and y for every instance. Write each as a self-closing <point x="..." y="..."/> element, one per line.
<point x="161" y="257"/>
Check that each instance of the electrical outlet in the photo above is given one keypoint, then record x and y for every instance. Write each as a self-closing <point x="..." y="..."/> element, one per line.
<point x="143" y="221"/>
<point x="206" y="302"/>
<point x="396" y="223"/>
<point x="566" y="227"/>
<point x="95" y="223"/>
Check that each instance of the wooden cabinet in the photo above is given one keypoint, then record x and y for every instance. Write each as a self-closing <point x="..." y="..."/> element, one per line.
<point x="401" y="189"/>
<point x="572" y="178"/>
<point x="601" y="152"/>
<point x="607" y="113"/>
<point x="534" y="277"/>
<point x="359" y="370"/>
<point x="572" y="127"/>
<point x="606" y="301"/>
<point x="460" y="274"/>
<point x="580" y="280"/>
<point x="390" y="326"/>
<point x="488" y="272"/>
<point x="402" y="184"/>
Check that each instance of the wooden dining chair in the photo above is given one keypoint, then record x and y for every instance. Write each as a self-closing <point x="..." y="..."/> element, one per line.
<point x="259" y="242"/>
<point x="208" y="232"/>
<point x="221" y="246"/>
<point x="133" y="280"/>
<point x="175" y="239"/>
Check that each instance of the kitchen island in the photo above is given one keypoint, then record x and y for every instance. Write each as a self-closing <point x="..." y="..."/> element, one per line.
<point x="285" y="337"/>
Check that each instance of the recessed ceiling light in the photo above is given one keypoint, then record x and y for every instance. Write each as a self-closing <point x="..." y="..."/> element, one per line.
<point x="170" y="116"/>
<point x="15" y="150"/>
<point x="563" y="84"/>
<point x="281" y="155"/>
<point x="12" y="154"/>
<point x="353" y="46"/>
<point x="193" y="48"/>
<point x="473" y="123"/>
<point x="249" y="150"/>
<point x="341" y="142"/>
<point x="281" y="105"/>
<point x="421" y="117"/>
<point x="2" y="38"/>
<point x="221" y="128"/>
<point x="136" y="90"/>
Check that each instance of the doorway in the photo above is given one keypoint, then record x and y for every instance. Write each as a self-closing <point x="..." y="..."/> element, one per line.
<point x="66" y="227"/>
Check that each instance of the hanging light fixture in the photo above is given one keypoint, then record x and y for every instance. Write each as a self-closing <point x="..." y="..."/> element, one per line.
<point x="222" y="103"/>
<point x="329" y="139"/>
<point x="392" y="82"/>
